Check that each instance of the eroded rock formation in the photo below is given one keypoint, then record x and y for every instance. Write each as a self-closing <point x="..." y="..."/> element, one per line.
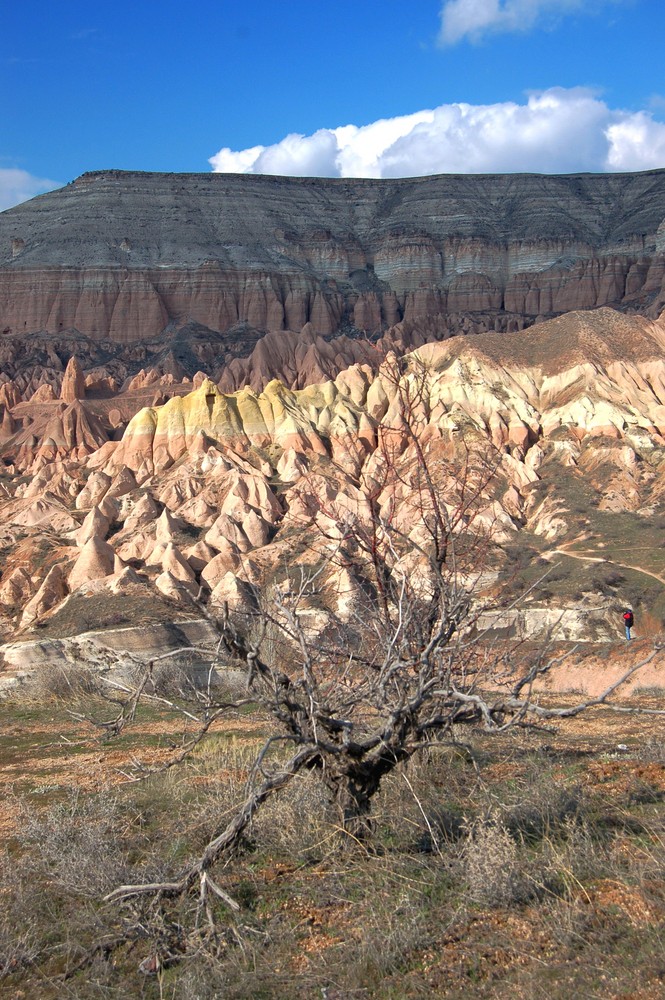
<point x="128" y="258"/>
<point x="209" y="493"/>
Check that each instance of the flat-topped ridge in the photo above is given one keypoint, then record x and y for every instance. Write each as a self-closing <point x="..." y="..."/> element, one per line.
<point x="135" y="219"/>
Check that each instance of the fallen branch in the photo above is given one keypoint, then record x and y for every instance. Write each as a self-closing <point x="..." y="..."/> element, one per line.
<point x="227" y="839"/>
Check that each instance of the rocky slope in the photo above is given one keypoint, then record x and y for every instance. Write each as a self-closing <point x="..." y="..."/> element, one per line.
<point x="180" y="272"/>
<point x="119" y="507"/>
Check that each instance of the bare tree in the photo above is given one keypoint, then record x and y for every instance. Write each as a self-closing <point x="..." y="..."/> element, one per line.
<point x="366" y="650"/>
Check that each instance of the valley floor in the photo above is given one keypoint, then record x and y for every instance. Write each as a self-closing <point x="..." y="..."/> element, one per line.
<point x="528" y="866"/>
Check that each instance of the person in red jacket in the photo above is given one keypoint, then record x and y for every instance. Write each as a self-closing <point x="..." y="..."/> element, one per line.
<point x="628" y="622"/>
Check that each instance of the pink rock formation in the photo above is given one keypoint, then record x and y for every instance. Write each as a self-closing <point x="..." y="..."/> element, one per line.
<point x="232" y="592"/>
<point x="52" y="591"/>
<point x="174" y="589"/>
<point x="44" y="394"/>
<point x="175" y="563"/>
<point x="226" y="529"/>
<point x="225" y="561"/>
<point x="16" y="587"/>
<point x="73" y="383"/>
<point x="96" y="560"/>
<point x="167" y="526"/>
<point x="145" y="511"/>
<point x="94" y="491"/>
<point x="199" y="555"/>
<point x="95" y="525"/>
<point x="218" y="489"/>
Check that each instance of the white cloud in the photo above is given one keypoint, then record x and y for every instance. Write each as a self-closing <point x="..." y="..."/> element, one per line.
<point x="311" y="155"/>
<point x="476" y="18"/>
<point x="555" y="131"/>
<point x="18" y="185"/>
<point x="636" y="143"/>
<point x="347" y="151"/>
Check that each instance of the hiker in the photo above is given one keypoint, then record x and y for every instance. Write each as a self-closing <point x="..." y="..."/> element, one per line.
<point x="628" y="622"/>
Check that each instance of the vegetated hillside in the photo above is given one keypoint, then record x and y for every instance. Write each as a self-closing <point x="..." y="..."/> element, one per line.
<point x="119" y="504"/>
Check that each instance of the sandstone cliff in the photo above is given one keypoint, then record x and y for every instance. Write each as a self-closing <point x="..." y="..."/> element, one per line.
<point x="123" y="258"/>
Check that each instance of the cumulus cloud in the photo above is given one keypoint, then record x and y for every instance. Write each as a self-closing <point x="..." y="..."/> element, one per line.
<point x="636" y="143"/>
<point x="555" y="131"/>
<point x="348" y="151"/>
<point x="18" y="185"/>
<point x="476" y="18"/>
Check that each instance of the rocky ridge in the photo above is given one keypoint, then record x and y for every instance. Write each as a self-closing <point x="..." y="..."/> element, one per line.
<point x="187" y="271"/>
<point x="113" y="506"/>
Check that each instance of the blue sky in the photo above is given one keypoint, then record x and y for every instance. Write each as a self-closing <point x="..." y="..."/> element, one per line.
<point x="332" y="88"/>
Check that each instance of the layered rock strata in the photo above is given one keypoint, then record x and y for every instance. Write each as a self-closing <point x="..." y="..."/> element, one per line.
<point x="125" y="257"/>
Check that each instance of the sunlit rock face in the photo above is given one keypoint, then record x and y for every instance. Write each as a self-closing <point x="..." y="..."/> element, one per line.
<point x="204" y="494"/>
<point x="126" y="258"/>
<point x="207" y="379"/>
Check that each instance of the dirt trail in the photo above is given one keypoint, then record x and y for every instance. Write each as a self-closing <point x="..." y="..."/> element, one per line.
<point x="604" y="559"/>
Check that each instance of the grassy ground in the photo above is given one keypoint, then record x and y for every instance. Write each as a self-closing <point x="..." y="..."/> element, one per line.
<point x="530" y="865"/>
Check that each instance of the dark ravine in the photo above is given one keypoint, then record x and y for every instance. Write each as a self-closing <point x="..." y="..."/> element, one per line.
<point x="124" y="258"/>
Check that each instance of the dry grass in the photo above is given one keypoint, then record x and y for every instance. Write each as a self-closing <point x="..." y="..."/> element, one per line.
<point x="519" y="868"/>
<point x="57" y="682"/>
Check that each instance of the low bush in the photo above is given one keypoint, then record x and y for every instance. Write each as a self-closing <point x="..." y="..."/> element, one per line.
<point x="60" y="681"/>
<point x="496" y="869"/>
